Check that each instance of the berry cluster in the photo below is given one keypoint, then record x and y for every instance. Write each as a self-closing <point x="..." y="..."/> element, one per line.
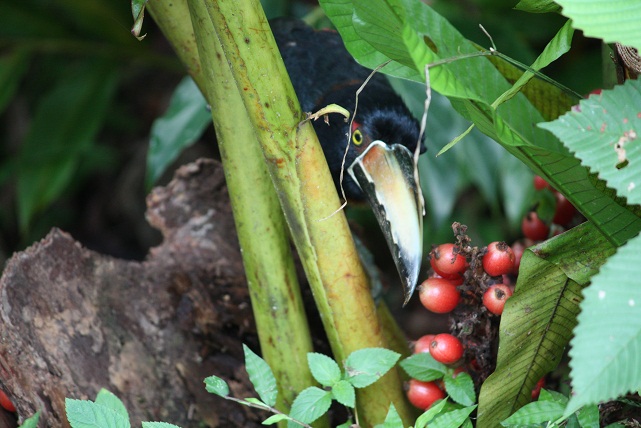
<point x="472" y="285"/>
<point x="536" y="229"/>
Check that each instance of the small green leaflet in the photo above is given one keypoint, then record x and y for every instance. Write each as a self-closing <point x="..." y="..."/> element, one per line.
<point x="31" y="422"/>
<point x="261" y="376"/>
<point x="158" y="425"/>
<point x="310" y="405"/>
<point x="108" y="399"/>
<point x="460" y="389"/>
<point x="392" y="420"/>
<point x="366" y="366"/>
<point x="423" y="366"/>
<point x="323" y="368"/>
<point x="216" y="385"/>
<point x="344" y="393"/>
<point x="87" y="414"/>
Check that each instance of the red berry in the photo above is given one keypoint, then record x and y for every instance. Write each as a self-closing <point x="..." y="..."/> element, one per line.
<point x="540" y="183"/>
<point x="537" y="388"/>
<point x="447" y="262"/>
<point x="446" y="348"/>
<point x="439" y="295"/>
<point x="499" y="259"/>
<point x="423" y="344"/>
<point x="533" y="227"/>
<point x="564" y="212"/>
<point x="423" y="394"/>
<point x="494" y="298"/>
<point x="6" y="403"/>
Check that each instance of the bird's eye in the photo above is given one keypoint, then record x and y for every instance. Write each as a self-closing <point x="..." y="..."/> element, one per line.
<point x="357" y="137"/>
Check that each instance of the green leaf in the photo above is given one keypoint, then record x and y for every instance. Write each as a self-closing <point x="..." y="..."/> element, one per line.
<point x="392" y="419"/>
<point x="588" y="416"/>
<point x="538" y="6"/>
<point x="605" y="348"/>
<point x="158" y="425"/>
<point x="87" y="414"/>
<point x="256" y="401"/>
<point x="603" y="136"/>
<point x="138" y="13"/>
<point x="182" y="124"/>
<point x="261" y="376"/>
<point x="558" y="46"/>
<point x="323" y="368"/>
<point x="547" y="395"/>
<point x="366" y="366"/>
<point x="310" y="405"/>
<point x="423" y="366"/>
<point x="344" y="393"/>
<point x="216" y="385"/>
<point x="460" y="388"/>
<point x="452" y="419"/>
<point x="612" y="22"/>
<point x="427" y="416"/>
<point x="535" y="413"/>
<point x="65" y="124"/>
<point x="31" y="422"/>
<point x="108" y="399"/>
<point x="273" y="419"/>
<point x="538" y="319"/>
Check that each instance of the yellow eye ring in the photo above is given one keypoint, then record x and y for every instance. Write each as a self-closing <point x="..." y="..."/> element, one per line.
<point x="357" y="137"/>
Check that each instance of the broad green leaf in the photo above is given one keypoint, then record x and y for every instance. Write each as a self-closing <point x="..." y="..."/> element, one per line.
<point x="61" y="135"/>
<point x="603" y="135"/>
<point x="365" y="366"/>
<point x="460" y="388"/>
<point x="261" y="376"/>
<point x="108" y="399"/>
<point x="273" y="419"/>
<point x="429" y="415"/>
<point x="607" y="341"/>
<point x="31" y="422"/>
<point x="87" y="414"/>
<point x="310" y="405"/>
<point x="452" y="419"/>
<point x="392" y="420"/>
<point x="548" y="395"/>
<point x="588" y="416"/>
<point x="158" y="425"/>
<point x="538" y="319"/>
<point x="216" y="385"/>
<point x="182" y="124"/>
<point x="535" y="413"/>
<point x="344" y="393"/>
<point x="473" y="84"/>
<point x="323" y="368"/>
<point x="612" y="22"/>
<point x="538" y="6"/>
<point x="423" y="366"/>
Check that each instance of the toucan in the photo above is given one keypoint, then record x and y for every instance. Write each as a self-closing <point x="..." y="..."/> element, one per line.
<point x="379" y="166"/>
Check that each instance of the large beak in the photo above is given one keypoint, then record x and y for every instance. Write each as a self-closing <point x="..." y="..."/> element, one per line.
<point x="386" y="174"/>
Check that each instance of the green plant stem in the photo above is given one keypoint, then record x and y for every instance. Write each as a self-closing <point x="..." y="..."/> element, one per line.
<point x="274" y="290"/>
<point x="307" y="195"/>
<point x="275" y="294"/>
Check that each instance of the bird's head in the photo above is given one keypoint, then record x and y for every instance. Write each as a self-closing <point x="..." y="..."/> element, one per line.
<point x="379" y="168"/>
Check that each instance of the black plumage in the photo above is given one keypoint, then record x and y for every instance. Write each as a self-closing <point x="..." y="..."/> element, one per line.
<point x="323" y="73"/>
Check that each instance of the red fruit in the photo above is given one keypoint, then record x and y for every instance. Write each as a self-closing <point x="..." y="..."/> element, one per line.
<point x="439" y="295"/>
<point x="447" y="262"/>
<point x="540" y="183"/>
<point x="423" y="394"/>
<point x="423" y="344"/>
<point x="446" y="348"/>
<point x="537" y="388"/>
<point x="533" y="227"/>
<point x="494" y="298"/>
<point x="564" y="212"/>
<point x="499" y="259"/>
<point x="6" y="403"/>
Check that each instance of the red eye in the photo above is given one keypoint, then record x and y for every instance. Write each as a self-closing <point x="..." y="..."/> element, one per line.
<point x="355" y="126"/>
